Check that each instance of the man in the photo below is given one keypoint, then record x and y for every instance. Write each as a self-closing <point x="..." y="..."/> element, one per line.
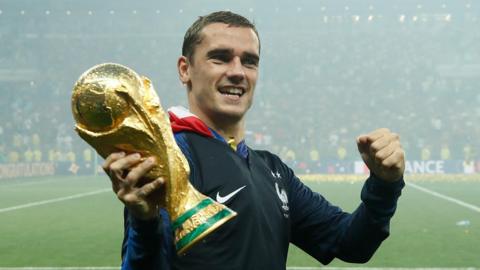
<point x="219" y="66"/>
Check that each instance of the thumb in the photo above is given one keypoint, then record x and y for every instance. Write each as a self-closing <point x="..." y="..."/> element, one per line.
<point x="362" y="144"/>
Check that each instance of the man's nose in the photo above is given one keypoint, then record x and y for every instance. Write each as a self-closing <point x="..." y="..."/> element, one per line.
<point x="236" y="72"/>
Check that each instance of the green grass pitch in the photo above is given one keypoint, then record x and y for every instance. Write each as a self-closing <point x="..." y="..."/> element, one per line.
<point x="85" y="229"/>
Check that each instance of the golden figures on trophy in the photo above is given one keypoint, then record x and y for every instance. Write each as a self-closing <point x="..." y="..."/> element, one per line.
<point x="117" y="110"/>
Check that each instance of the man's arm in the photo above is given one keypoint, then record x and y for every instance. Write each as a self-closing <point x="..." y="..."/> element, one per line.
<point x="369" y="224"/>
<point x="325" y="231"/>
<point x="145" y="243"/>
<point x="142" y="245"/>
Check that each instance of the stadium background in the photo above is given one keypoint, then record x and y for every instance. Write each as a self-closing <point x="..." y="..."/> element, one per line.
<point x="330" y="71"/>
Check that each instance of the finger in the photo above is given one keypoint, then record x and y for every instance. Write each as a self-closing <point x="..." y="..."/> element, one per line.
<point x="149" y="188"/>
<point x="106" y="167"/>
<point x="386" y="151"/>
<point x="363" y="143"/>
<point x="121" y="165"/>
<point x="395" y="160"/>
<point x="379" y="144"/>
<point x="139" y="171"/>
<point x="377" y="134"/>
<point x="380" y="131"/>
<point x="369" y="138"/>
<point x="115" y="186"/>
<point x="110" y="159"/>
<point x="362" y="139"/>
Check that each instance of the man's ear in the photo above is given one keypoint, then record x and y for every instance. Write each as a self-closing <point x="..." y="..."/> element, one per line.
<point x="183" y="66"/>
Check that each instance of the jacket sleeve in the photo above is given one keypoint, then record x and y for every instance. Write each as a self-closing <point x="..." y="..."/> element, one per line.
<point x="326" y="232"/>
<point x="145" y="244"/>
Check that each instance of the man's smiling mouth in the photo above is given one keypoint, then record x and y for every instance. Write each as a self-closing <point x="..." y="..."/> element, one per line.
<point x="232" y="91"/>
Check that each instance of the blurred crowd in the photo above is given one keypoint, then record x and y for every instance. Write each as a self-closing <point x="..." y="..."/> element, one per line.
<point x="321" y="85"/>
<point x="420" y="82"/>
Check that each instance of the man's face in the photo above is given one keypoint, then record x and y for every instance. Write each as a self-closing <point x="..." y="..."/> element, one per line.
<point x="222" y="74"/>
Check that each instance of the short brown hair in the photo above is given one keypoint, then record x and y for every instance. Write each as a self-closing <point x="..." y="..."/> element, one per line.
<point x="192" y="36"/>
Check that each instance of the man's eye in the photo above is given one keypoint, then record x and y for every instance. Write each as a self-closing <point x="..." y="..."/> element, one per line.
<point x="250" y="62"/>
<point x="221" y="58"/>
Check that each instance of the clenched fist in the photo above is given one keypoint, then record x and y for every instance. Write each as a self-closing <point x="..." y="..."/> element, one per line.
<point x="383" y="154"/>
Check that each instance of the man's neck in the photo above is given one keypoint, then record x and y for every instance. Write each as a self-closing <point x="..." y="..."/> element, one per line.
<point x="226" y="128"/>
<point x="230" y="133"/>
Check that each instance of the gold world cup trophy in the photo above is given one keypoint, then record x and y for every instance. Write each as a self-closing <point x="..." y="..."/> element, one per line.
<point x="116" y="110"/>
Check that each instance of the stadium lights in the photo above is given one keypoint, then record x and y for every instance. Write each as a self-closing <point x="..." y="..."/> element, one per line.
<point x="468" y="6"/>
<point x="401" y="18"/>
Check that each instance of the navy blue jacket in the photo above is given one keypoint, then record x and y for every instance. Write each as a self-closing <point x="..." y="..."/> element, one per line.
<point x="274" y="209"/>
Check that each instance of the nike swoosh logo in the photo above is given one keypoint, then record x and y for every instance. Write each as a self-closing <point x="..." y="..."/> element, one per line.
<point x="223" y="199"/>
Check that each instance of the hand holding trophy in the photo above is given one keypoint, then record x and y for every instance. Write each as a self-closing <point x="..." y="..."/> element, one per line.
<point x="116" y="111"/>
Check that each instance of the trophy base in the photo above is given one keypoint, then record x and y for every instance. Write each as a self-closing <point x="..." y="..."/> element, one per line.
<point x="198" y="222"/>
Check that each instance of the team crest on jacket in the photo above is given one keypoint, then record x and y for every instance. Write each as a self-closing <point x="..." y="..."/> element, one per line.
<point x="282" y="195"/>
